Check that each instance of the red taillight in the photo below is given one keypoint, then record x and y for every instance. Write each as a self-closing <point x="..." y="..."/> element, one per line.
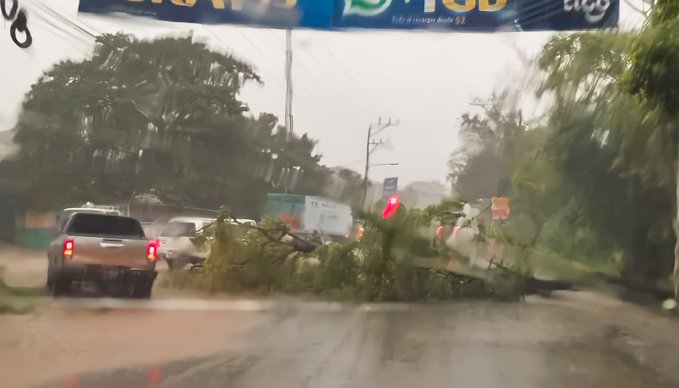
<point x="69" y="248"/>
<point x="152" y="250"/>
<point x="392" y="206"/>
<point x="456" y="230"/>
<point x="439" y="232"/>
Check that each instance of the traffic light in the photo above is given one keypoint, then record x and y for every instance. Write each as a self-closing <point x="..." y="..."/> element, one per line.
<point x="393" y="203"/>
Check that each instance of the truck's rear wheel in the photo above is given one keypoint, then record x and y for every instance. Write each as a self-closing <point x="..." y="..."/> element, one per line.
<point x="174" y="264"/>
<point x="50" y="280"/>
<point x="142" y="289"/>
<point x="59" y="285"/>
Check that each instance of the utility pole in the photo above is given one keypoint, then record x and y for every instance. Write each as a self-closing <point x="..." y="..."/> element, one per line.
<point x="288" y="83"/>
<point x="370" y="146"/>
<point x="288" y="99"/>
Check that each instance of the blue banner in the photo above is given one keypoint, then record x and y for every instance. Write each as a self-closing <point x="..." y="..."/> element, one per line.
<point x="437" y="15"/>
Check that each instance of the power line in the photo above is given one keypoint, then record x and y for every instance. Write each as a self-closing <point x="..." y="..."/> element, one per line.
<point x="247" y="38"/>
<point x="241" y="33"/>
<point x="65" y="28"/>
<point x="67" y="21"/>
<point x="59" y="30"/>
<point x="364" y="94"/>
<point x="62" y="29"/>
<point x="304" y="88"/>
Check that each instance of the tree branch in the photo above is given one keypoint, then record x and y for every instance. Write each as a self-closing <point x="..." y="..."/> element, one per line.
<point x="637" y="9"/>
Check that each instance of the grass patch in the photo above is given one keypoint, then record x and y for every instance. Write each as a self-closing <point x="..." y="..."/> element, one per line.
<point x="551" y="264"/>
<point x="18" y="300"/>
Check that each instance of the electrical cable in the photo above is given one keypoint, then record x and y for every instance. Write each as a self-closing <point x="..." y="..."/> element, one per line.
<point x="67" y="21"/>
<point x="64" y="31"/>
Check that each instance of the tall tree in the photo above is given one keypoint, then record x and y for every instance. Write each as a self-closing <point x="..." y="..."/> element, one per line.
<point x="654" y="79"/>
<point x="481" y="166"/>
<point x="160" y="116"/>
<point x="586" y="159"/>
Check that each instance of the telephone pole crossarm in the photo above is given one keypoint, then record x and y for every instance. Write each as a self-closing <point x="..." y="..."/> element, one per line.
<point x="373" y="130"/>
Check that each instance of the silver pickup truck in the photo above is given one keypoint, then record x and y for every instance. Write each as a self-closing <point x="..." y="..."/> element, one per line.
<point x="103" y="248"/>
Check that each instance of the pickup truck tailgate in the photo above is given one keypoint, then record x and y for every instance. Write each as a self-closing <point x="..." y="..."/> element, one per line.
<point x="110" y="251"/>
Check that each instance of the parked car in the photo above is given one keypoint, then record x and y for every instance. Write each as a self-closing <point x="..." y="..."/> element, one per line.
<point x="176" y="245"/>
<point x="449" y="225"/>
<point x="176" y="240"/>
<point x="460" y="231"/>
<point x="246" y="221"/>
<point x="108" y="249"/>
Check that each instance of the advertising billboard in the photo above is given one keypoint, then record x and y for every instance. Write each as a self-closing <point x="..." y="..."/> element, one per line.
<point x="306" y="213"/>
<point x="436" y="15"/>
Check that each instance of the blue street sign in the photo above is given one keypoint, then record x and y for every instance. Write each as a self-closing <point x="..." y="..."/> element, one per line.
<point x="390" y="185"/>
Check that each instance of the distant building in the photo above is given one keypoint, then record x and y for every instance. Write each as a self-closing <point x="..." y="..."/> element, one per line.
<point x="419" y="195"/>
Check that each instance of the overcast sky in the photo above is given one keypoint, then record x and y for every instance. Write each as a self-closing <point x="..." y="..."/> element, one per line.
<point x="342" y="81"/>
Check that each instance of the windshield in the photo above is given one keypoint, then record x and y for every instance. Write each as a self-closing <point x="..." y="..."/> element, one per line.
<point x="104" y="225"/>
<point x="339" y="193"/>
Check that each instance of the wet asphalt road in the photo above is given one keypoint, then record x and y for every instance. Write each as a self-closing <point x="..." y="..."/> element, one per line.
<point x="572" y="342"/>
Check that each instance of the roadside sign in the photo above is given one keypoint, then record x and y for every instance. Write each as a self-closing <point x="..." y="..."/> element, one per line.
<point x="338" y="15"/>
<point x="500" y="208"/>
<point x="390" y="186"/>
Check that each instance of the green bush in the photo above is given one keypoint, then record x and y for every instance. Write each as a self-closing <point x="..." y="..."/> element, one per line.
<point x="253" y="261"/>
<point x="440" y="286"/>
<point x="17" y="301"/>
<point x="337" y="268"/>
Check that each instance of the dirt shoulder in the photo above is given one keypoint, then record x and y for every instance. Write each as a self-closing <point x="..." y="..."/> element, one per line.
<point x="23" y="267"/>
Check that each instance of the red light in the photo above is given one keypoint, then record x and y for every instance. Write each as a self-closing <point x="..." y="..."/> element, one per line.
<point x="393" y="204"/>
<point x="439" y="231"/>
<point x="152" y="251"/>
<point x="456" y="230"/>
<point x="155" y="376"/>
<point x="69" y="248"/>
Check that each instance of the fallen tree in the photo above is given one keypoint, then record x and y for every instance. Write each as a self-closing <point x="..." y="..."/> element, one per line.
<point x="393" y="261"/>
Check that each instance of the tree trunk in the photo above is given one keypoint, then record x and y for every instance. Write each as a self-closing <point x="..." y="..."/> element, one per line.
<point x="675" y="275"/>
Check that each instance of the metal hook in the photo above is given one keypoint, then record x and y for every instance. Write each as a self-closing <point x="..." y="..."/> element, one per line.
<point x="20" y="25"/>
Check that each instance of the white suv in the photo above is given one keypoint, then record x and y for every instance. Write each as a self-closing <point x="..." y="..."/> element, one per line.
<point x="176" y="247"/>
